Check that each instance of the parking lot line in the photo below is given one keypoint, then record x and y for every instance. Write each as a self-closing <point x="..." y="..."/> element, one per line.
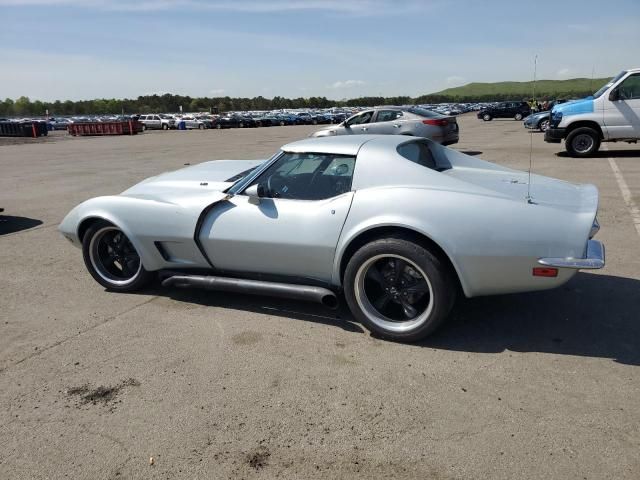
<point x="626" y="195"/>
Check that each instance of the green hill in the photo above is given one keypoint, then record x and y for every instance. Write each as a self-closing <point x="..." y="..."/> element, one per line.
<point x="574" y="87"/>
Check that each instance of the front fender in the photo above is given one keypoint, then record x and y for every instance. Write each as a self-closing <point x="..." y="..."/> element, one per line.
<point x="144" y="222"/>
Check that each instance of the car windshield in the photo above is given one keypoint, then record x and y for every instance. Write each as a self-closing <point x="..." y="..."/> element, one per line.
<point x="608" y="84"/>
<point x="424" y="112"/>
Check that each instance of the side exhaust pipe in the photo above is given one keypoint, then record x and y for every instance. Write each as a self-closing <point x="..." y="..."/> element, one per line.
<point x="255" y="287"/>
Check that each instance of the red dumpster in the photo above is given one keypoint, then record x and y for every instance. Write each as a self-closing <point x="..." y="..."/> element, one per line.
<point x="128" y="127"/>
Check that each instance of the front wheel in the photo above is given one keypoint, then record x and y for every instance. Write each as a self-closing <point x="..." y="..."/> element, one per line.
<point x="398" y="289"/>
<point x="518" y="116"/>
<point x="112" y="260"/>
<point x="486" y="117"/>
<point x="582" y="142"/>
<point x="543" y="125"/>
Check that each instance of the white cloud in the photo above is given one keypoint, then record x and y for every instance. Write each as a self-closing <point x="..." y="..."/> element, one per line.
<point x="217" y="91"/>
<point x="347" y="84"/>
<point x="564" y="73"/>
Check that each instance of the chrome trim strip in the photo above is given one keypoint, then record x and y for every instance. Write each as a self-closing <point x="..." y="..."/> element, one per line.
<point x="594" y="259"/>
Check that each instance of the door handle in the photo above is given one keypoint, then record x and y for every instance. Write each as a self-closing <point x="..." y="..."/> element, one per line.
<point x="364" y="129"/>
<point x="397" y="125"/>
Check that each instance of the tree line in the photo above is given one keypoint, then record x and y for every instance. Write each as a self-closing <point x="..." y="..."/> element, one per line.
<point x="169" y="103"/>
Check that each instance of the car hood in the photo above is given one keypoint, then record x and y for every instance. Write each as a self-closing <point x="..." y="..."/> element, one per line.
<point x="575" y="107"/>
<point x="192" y="183"/>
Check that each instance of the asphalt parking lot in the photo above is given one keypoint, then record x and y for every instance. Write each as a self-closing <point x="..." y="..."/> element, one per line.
<point x="94" y="384"/>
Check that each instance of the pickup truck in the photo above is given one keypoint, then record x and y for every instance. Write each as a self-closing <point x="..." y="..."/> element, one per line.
<point x="612" y="114"/>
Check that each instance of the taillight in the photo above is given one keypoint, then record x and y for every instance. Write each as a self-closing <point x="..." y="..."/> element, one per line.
<point x="545" y="272"/>
<point x="436" y="122"/>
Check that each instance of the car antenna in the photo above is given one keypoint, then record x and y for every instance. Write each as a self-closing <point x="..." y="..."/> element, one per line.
<point x="535" y="68"/>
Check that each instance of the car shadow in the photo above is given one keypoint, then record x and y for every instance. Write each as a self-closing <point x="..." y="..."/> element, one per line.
<point x="591" y="316"/>
<point x="607" y="153"/>
<point x="471" y="152"/>
<point x="292" y="309"/>
<point x="10" y="224"/>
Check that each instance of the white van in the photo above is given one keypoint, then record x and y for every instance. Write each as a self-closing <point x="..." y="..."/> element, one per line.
<point x="612" y="114"/>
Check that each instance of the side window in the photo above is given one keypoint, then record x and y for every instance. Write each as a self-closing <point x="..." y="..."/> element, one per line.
<point x="388" y="115"/>
<point x="417" y="152"/>
<point x="630" y="88"/>
<point x="156" y="117"/>
<point x="364" y="117"/>
<point x="307" y="176"/>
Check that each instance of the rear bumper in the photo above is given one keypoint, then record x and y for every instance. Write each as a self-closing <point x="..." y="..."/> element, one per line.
<point x="594" y="258"/>
<point x="554" y="135"/>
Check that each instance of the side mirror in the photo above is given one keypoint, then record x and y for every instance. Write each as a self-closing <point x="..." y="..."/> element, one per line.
<point x="614" y="95"/>
<point x="253" y="193"/>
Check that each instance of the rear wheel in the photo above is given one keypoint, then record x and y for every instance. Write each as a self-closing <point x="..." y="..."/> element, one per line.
<point x="518" y="116"/>
<point x="112" y="260"/>
<point x="486" y="117"/>
<point x="582" y="142"/>
<point x="201" y="126"/>
<point x="165" y="126"/>
<point x="398" y="289"/>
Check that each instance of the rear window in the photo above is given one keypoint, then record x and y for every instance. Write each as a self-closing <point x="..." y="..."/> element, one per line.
<point x="418" y="152"/>
<point x="424" y="113"/>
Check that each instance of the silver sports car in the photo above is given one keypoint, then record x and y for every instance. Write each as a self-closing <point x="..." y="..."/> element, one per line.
<point x="398" y="225"/>
<point x="413" y="121"/>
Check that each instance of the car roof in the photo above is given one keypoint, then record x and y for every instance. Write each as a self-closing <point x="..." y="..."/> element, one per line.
<point x="343" y="144"/>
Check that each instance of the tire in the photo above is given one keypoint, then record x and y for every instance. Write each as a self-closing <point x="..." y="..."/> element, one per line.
<point x="486" y="117"/>
<point x="241" y="125"/>
<point x="582" y="142"/>
<point x="103" y="241"/>
<point x="518" y="116"/>
<point x="201" y="127"/>
<point x="165" y="126"/>
<point x="378" y="297"/>
<point x="543" y="125"/>
<point x="218" y="126"/>
<point x="144" y="127"/>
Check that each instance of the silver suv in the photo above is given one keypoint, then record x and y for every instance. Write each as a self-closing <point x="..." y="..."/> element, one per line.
<point x="413" y="121"/>
<point x="157" y="122"/>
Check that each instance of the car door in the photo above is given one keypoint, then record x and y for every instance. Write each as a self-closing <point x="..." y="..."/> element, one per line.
<point x="622" y="112"/>
<point x="294" y="228"/>
<point x="387" y="122"/>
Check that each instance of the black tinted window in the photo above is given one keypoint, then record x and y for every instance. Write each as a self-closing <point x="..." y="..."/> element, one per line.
<point x="307" y="176"/>
<point x="388" y="115"/>
<point x="360" y="119"/>
<point x="417" y="152"/>
<point x="630" y="88"/>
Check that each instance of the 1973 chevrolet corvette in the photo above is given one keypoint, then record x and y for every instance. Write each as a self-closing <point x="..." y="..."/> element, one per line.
<point x="398" y="224"/>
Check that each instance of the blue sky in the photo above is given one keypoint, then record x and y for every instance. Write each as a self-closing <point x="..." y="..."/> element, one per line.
<point x="80" y="49"/>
